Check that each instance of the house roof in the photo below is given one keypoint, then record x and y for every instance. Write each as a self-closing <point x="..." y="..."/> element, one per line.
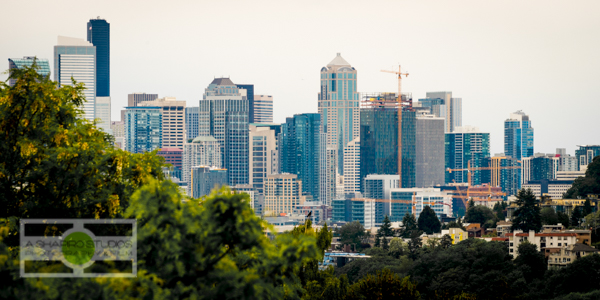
<point x="543" y="234"/>
<point x="583" y="247"/>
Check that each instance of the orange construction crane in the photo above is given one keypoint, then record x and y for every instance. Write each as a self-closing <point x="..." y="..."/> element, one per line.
<point x="470" y="170"/>
<point x="400" y="74"/>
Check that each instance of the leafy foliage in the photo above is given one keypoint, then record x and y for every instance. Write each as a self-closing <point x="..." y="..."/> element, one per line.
<point x="482" y="215"/>
<point x="590" y="184"/>
<point x="352" y="233"/>
<point x="410" y="224"/>
<point x="527" y="215"/>
<point x="428" y="221"/>
<point x="548" y="216"/>
<point x="384" y="285"/>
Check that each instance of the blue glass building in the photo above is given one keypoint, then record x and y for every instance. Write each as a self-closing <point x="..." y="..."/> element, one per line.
<point x="466" y="145"/>
<point x="250" y="97"/>
<point x="98" y="33"/>
<point x="518" y="136"/>
<point x="191" y="122"/>
<point x="27" y="61"/>
<point x="143" y="128"/>
<point x="585" y="154"/>
<point x="300" y="150"/>
<point x="504" y="172"/>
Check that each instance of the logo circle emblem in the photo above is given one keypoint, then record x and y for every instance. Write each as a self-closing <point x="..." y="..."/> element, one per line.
<point x="78" y="248"/>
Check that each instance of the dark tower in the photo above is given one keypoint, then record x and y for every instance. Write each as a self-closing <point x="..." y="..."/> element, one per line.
<point x="98" y="33"/>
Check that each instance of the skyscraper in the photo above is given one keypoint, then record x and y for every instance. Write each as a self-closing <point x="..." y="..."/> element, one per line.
<point x="352" y="166"/>
<point x="135" y="98"/>
<point x="223" y="114"/>
<point x="191" y="122"/>
<point x="379" y="138"/>
<point x="173" y="121"/>
<point x="301" y="151"/>
<point x="263" y="109"/>
<point x="249" y="88"/>
<point x="75" y="58"/>
<point x="585" y="155"/>
<point x="539" y="166"/>
<point x="263" y="153"/>
<point x="429" y="151"/>
<point x="338" y="105"/>
<point x="98" y="33"/>
<point x="463" y="146"/>
<point x="143" y="129"/>
<point x="27" y="61"/>
<point x="202" y="151"/>
<point x="441" y="104"/>
<point x="503" y="173"/>
<point x="518" y="136"/>
<point x="283" y="192"/>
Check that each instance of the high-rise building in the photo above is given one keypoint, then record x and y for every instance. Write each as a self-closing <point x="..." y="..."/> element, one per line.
<point x="223" y="114"/>
<point x="143" y="129"/>
<point x="441" y="104"/>
<point x="263" y="154"/>
<point x="27" y="61"/>
<point x="518" y="136"/>
<point x="249" y="93"/>
<point x="283" y="192"/>
<point x="504" y="172"/>
<point x="352" y="166"/>
<point x="118" y="131"/>
<point x="430" y="151"/>
<point x="201" y="151"/>
<point x="103" y="114"/>
<point x="585" y="155"/>
<point x="263" y="109"/>
<point x="301" y="151"/>
<point x="98" y="33"/>
<point x="328" y="173"/>
<point x="539" y="166"/>
<point x="566" y="162"/>
<point x="379" y="187"/>
<point x="135" y="98"/>
<point x="339" y="105"/>
<point x="466" y="147"/>
<point x="191" y="122"/>
<point x="173" y="129"/>
<point x="379" y="137"/>
<point x="173" y="157"/>
<point x="204" y="179"/>
<point x="75" y="58"/>
<point x="416" y="199"/>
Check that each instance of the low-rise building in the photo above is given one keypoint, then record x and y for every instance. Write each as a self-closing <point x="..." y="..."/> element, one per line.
<point x="569" y="254"/>
<point x="546" y="242"/>
<point x="456" y="234"/>
<point x="503" y="227"/>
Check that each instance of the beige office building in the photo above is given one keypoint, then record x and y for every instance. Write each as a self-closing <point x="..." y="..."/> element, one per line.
<point x="173" y="121"/>
<point x="283" y="192"/>
<point x="263" y="156"/>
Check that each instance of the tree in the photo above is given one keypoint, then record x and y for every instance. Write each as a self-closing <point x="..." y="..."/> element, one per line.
<point x="590" y="184"/>
<point x="562" y="218"/>
<point x="576" y="216"/>
<point x="482" y="215"/>
<point x="386" y="227"/>
<point x="446" y="241"/>
<point x="414" y="244"/>
<point x="527" y="215"/>
<point x="531" y="262"/>
<point x="499" y="209"/>
<point x="587" y="207"/>
<point x="56" y="164"/>
<point x="410" y="225"/>
<point x="548" y="216"/>
<point x="428" y="221"/>
<point x="353" y="234"/>
<point x="384" y="285"/>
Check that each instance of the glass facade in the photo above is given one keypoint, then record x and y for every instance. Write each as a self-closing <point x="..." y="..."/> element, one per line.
<point x="518" y="136"/>
<point x="19" y="63"/>
<point x="509" y="179"/>
<point x="223" y="114"/>
<point x="143" y="129"/>
<point x="301" y="150"/>
<point x="250" y="97"/>
<point x="98" y="33"/>
<point x="379" y="143"/>
<point x="465" y="146"/>
<point x="191" y="122"/>
<point x="586" y="153"/>
<point x="339" y="105"/>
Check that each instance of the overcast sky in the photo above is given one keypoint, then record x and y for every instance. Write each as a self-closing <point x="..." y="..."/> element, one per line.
<point x="542" y="57"/>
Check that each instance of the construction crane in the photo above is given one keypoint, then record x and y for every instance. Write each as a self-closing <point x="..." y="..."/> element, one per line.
<point x="400" y="74"/>
<point x="470" y="170"/>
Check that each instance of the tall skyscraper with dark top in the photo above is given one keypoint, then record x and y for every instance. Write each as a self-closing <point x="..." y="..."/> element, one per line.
<point x="98" y="33"/>
<point x="250" y="97"/>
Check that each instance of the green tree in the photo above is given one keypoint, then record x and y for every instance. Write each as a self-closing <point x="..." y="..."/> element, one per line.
<point x="576" y="216"/>
<point x="562" y="218"/>
<point x="482" y="215"/>
<point x="384" y="285"/>
<point x="446" y="241"/>
<point x="527" y="215"/>
<point x="414" y="244"/>
<point x="54" y="163"/>
<point x="353" y="234"/>
<point x="548" y="216"/>
<point x="428" y="221"/>
<point x="590" y="184"/>
<point x="587" y="207"/>
<point x="531" y="262"/>
<point x="410" y="224"/>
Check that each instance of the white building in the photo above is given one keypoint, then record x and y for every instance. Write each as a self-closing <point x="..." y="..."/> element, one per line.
<point x="439" y="201"/>
<point x="76" y="59"/>
<point x="263" y="154"/>
<point x="545" y="241"/>
<point x="202" y="151"/>
<point x="103" y="114"/>
<point x="352" y="166"/>
<point x="173" y="121"/>
<point x="118" y="131"/>
<point x="263" y="109"/>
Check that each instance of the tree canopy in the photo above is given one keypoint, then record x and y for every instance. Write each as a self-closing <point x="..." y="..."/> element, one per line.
<point x="353" y="234"/>
<point x="428" y="221"/>
<point x="590" y="184"/>
<point x="527" y="215"/>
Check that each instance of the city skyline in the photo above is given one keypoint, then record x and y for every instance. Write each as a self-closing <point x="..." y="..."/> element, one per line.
<point x="538" y="62"/>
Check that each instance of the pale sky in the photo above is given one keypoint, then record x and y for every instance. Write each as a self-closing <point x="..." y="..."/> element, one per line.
<point x="542" y="57"/>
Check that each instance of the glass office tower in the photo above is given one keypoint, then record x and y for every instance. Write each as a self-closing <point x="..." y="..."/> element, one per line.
<point x="98" y="33"/>
<point x="27" y="61"/>
<point x="463" y="146"/>
<point x="518" y="136"/>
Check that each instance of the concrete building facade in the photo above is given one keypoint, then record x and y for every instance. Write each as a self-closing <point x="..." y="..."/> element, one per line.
<point x="283" y="192"/>
<point x="201" y="151"/>
<point x="430" y="151"/>
<point x="173" y="120"/>
<point x="263" y="109"/>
